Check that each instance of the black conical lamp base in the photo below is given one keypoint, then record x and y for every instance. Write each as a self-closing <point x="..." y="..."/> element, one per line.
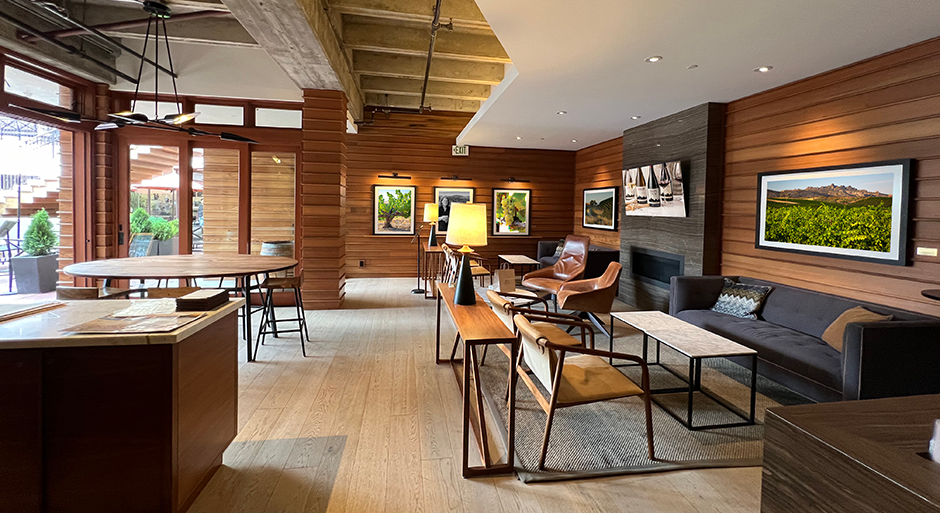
<point x="465" y="295"/>
<point x="432" y="238"/>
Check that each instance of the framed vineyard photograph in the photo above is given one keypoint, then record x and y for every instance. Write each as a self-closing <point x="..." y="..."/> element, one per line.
<point x="511" y="212"/>
<point x="393" y="210"/>
<point x="445" y="197"/>
<point x="600" y="208"/>
<point x="858" y="212"/>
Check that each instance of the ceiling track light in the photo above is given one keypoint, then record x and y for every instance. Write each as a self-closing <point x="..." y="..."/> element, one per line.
<point x="395" y="176"/>
<point x="513" y="179"/>
<point x="456" y="178"/>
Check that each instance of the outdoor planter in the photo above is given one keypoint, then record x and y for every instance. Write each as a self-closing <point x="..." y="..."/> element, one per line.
<point x="35" y="274"/>
<point x="167" y="247"/>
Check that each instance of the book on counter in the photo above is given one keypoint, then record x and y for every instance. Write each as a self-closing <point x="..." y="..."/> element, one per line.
<point x="201" y="300"/>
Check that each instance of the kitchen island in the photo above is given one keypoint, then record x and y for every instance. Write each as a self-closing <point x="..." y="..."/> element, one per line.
<point x="114" y="422"/>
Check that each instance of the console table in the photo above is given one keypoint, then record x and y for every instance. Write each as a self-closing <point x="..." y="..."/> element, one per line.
<point x="851" y="457"/>
<point x="477" y="325"/>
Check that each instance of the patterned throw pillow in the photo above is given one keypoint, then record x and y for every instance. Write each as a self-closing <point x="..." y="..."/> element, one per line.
<point x="741" y="300"/>
<point x="559" y="248"/>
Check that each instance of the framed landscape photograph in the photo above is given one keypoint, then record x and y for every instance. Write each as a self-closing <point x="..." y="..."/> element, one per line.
<point x="657" y="190"/>
<point x="600" y="208"/>
<point x="858" y="212"/>
<point x="393" y="210"/>
<point x="447" y="196"/>
<point x="511" y="211"/>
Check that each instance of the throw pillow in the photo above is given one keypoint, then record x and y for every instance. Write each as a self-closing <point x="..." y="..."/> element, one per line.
<point x="741" y="300"/>
<point x="559" y="249"/>
<point x="835" y="333"/>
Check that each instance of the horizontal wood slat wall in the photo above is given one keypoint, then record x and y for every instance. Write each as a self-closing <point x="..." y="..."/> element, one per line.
<point x="272" y="198"/>
<point x="600" y="165"/>
<point x="883" y="108"/>
<point x="64" y="211"/>
<point x="420" y="146"/>
<point x="220" y="201"/>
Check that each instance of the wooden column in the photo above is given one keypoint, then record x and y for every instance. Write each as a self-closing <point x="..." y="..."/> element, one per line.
<point x="322" y="224"/>
<point x="104" y="184"/>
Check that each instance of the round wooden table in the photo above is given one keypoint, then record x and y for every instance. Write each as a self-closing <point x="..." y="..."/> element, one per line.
<point x="186" y="267"/>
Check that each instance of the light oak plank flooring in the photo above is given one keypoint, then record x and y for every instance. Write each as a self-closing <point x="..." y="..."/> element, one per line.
<point x="368" y="423"/>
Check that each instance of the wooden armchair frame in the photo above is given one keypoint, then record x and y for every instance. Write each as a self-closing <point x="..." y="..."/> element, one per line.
<point x="550" y="405"/>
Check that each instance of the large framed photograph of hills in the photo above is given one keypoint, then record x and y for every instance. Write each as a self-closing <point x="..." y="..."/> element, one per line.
<point x="858" y="212"/>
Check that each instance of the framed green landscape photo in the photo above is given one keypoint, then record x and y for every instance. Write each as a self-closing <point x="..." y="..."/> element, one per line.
<point x="858" y="212"/>
<point x="393" y="209"/>
<point x="511" y="212"/>
<point x="600" y="208"/>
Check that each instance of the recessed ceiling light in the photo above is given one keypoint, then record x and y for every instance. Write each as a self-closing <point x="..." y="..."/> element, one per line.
<point x="574" y="140"/>
<point x="655" y="58"/>
<point x="634" y="117"/>
<point x="691" y="66"/>
<point x="561" y="112"/>
<point x="518" y="138"/>
<point x="763" y="69"/>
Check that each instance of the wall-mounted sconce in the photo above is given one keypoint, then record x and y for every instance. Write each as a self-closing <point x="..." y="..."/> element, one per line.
<point x="456" y="178"/>
<point x="513" y="179"/>
<point x="395" y="176"/>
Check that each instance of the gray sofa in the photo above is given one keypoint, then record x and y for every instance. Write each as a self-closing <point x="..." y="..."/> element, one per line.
<point x="882" y="359"/>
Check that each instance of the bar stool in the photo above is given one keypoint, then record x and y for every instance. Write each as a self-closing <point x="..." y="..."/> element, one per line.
<point x="268" y="319"/>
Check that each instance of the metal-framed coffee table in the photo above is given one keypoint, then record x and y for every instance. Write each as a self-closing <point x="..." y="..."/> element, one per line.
<point x="696" y="344"/>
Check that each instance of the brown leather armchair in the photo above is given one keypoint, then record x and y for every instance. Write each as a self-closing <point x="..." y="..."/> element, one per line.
<point x="593" y="297"/>
<point x="569" y="267"/>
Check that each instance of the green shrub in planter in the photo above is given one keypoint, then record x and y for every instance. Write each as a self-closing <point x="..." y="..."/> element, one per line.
<point x="163" y="229"/>
<point x="39" y="238"/>
<point x="141" y="221"/>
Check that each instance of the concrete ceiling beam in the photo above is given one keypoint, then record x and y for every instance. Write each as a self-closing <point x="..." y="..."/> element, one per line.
<point x="196" y="5"/>
<point x="412" y="87"/>
<point x="298" y="36"/>
<point x="222" y="31"/>
<point x="445" y="70"/>
<point x="464" y="13"/>
<point x="412" y="102"/>
<point x="412" y="41"/>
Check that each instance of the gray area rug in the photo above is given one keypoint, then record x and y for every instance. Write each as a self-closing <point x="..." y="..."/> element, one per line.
<point x="609" y="438"/>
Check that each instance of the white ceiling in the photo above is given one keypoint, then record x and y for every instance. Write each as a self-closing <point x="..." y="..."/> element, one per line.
<point x="587" y="58"/>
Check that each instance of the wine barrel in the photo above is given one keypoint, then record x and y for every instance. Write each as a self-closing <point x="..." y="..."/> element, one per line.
<point x="283" y="248"/>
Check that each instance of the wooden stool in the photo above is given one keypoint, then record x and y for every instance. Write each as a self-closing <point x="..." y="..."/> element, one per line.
<point x="268" y="319"/>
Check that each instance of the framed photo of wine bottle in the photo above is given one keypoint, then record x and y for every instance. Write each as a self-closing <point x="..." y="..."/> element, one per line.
<point x="656" y="190"/>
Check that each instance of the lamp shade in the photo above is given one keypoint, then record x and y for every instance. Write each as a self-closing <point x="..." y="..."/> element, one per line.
<point x="467" y="224"/>
<point x="430" y="212"/>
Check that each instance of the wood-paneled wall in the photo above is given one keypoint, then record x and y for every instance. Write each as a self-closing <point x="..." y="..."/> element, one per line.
<point x="883" y="108"/>
<point x="64" y="212"/>
<point x="600" y="165"/>
<point x="220" y="201"/>
<point x="272" y="197"/>
<point x="420" y="146"/>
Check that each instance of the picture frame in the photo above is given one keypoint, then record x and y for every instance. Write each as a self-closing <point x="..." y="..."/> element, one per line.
<point x="600" y="207"/>
<point x="671" y="198"/>
<point x="393" y="209"/>
<point x="450" y="195"/>
<point x="856" y="212"/>
<point x="517" y="222"/>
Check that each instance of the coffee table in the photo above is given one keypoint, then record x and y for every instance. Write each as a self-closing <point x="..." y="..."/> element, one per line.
<point x="510" y="261"/>
<point x="696" y="344"/>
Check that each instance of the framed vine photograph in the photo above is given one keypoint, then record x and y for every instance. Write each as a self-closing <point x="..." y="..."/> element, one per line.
<point x="393" y="209"/>
<point x="447" y="196"/>
<point x="511" y="212"/>
<point x="600" y="208"/>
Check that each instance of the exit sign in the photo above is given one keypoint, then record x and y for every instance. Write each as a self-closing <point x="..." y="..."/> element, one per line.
<point x="460" y="151"/>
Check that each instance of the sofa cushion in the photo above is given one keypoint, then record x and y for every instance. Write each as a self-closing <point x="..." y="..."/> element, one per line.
<point x="741" y="299"/>
<point x="835" y="333"/>
<point x="803" y="310"/>
<point x="806" y="355"/>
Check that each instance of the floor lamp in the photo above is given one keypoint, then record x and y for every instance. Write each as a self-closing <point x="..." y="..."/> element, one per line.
<point x="417" y="238"/>
<point x="466" y="227"/>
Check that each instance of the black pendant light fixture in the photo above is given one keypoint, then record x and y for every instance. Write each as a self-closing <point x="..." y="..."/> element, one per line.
<point x="158" y="13"/>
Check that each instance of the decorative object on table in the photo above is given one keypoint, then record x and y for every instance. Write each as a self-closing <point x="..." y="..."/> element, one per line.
<point x="431" y="215"/>
<point x="36" y="272"/>
<point x="445" y="198"/>
<point x="467" y="228"/>
<point x="858" y="212"/>
<point x="600" y="208"/>
<point x="417" y="239"/>
<point x="201" y="300"/>
<point x="511" y="211"/>
<point x="393" y="209"/>
<point x="740" y="299"/>
<point x="505" y="280"/>
<point x="655" y="190"/>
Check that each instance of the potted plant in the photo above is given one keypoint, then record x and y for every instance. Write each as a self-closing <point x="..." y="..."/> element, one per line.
<point x="37" y="272"/>
<point x="165" y="235"/>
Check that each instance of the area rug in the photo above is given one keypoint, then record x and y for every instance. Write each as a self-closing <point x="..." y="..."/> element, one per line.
<point x="609" y="438"/>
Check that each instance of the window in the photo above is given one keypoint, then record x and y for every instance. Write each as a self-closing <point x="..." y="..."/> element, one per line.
<point x="278" y="118"/>
<point x="220" y="114"/>
<point x="28" y="85"/>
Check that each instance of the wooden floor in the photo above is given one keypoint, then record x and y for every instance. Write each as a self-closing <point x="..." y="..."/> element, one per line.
<point x="368" y="423"/>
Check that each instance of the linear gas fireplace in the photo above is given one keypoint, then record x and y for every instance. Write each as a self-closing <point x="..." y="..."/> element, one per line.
<point x="655" y="267"/>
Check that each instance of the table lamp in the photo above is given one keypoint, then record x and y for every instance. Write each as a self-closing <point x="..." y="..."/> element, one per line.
<point x="430" y="216"/>
<point x="467" y="227"/>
